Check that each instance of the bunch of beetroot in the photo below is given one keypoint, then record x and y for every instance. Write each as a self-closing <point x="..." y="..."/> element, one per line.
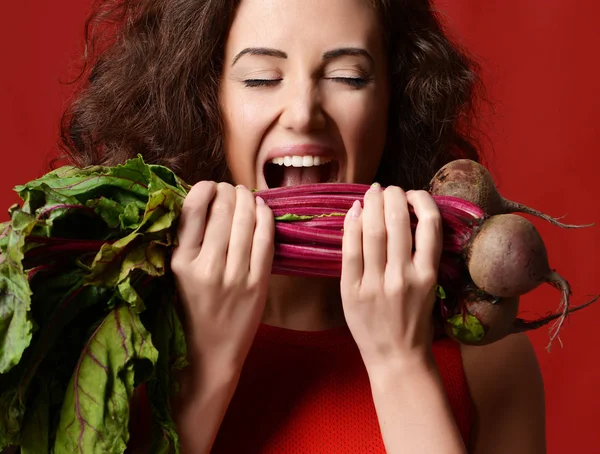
<point x="490" y="256"/>
<point x="87" y="309"/>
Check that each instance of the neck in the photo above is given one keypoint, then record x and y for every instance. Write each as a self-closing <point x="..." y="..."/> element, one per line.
<point x="304" y="303"/>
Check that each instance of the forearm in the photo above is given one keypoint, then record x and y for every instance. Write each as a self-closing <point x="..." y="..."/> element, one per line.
<point x="413" y="410"/>
<point x="199" y="410"/>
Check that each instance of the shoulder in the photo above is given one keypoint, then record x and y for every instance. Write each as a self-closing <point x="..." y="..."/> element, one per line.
<point x="506" y="385"/>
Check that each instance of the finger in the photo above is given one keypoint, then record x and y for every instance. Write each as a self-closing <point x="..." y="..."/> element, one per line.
<point x="263" y="243"/>
<point x="397" y="224"/>
<point x="373" y="234"/>
<point x="213" y="253"/>
<point x="192" y="221"/>
<point x="352" y="252"/>
<point x="242" y="232"/>
<point x="428" y="234"/>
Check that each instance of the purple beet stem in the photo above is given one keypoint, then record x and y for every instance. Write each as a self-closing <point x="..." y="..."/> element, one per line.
<point x="318" y="240"/>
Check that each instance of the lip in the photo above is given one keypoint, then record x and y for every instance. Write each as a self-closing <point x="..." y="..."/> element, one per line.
<point x="306" y="149"/>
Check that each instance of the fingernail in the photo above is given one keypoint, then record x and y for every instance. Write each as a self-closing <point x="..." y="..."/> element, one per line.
<point x="259" y="200"/>
<point x="356" y="209"/>
<point x="240" y="186"/>
<point x="376" y="186"/>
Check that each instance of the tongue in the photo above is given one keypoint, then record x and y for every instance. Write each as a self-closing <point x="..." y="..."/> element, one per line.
<point x="293" y="176"/>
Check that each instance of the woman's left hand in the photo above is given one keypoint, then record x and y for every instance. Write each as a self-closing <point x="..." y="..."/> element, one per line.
<point x="388" y="293"/>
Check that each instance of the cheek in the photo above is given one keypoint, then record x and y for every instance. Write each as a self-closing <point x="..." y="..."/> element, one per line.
<point x="363" y="127"/>
<point x="245" y="124"/>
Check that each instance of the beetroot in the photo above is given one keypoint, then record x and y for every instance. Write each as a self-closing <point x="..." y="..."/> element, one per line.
<point x="483" y="319"/>
<point x="496" y="317"/>
<point x="486" y="264"/>
<point x="507" y="257"/>
<point x="470" y="181"/>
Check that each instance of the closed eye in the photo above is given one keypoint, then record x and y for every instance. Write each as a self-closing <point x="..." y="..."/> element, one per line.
<point x="261" y="82"/>
<point x="355" y="82"/>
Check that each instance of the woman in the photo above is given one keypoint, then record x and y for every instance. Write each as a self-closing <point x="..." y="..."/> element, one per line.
<point x="215" y="90"/>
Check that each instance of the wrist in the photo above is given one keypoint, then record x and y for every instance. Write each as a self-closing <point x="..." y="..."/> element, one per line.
<point x="209" y="375"/>
<point x="201" y="389"/>
<point x="402" y="366"/>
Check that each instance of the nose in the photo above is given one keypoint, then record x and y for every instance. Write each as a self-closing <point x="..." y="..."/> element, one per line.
<point x="302" y="110"/>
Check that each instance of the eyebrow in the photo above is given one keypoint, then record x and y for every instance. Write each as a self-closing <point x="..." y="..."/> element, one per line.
<point x="327" y="56"/>
<point x="345" y="51"/>
<point x="259" y="51"/>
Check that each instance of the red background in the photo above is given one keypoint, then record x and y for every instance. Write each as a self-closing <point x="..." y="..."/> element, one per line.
<point x="541" y="66"/>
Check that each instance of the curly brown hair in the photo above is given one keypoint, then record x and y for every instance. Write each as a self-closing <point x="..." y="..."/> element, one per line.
<point x="153" y="70"/>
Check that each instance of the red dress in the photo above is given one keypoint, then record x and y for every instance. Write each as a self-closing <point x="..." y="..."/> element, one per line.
<point x="309" y="392"/>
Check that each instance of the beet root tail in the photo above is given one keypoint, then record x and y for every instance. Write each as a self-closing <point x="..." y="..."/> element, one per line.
<point x="514" y="207"/>
<point x="520" y="325"/>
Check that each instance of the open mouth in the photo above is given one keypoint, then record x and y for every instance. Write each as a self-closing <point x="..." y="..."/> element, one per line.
<point x="280" y="175"/>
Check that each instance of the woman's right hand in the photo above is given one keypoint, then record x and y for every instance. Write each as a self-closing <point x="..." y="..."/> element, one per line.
<point x="222" y="267"/>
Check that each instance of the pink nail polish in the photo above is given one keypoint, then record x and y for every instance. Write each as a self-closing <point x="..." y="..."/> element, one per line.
<point x="356" y="209"/>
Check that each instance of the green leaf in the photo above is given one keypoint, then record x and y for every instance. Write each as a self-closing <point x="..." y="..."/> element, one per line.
<point x="144" y="249"/>
<point x="35" y="439"/>
<point x="4" y="229"/>
<point x="116" y="264"/>
<point x="467" y="328"/>
<point x="11" y="412"/>
<point x="123" y="220"/>
<point x="299" y="217"/>
<point x="95" y="413"/>
<point x="66" y="306"/>
<point x="130" y="218"/>
<point x="169" y="338"/>
<point x="54" y="349"/>
<point x="109" y="210"/>
<point x="440" y="293"/>
<point x="16" y="325"/>
<point x="123" y="183"/>
<point x="293" y="217"/>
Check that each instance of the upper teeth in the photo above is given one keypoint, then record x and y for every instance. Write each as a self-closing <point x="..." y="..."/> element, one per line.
<point x="300" y="161"/>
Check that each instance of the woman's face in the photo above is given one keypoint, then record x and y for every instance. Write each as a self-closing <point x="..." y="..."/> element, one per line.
<point x="304" y="83"/>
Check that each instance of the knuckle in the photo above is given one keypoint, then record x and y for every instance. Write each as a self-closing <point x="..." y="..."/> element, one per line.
<point x="235" y="278"/>
<point x="264" y="238"/>
<point x="221" y="207"/>
<point x="431" y="217"/>
<point x="225" y="198"/>
<point x="265" y="225"/>
<point x="246" y="220"/>
<point x="372" y="195"/>
<point x="351" y="253"/>
<point x="199" y="196"/>
<point x="394" y="190"/>
<point x="419" y="194"/>
<point x="375" y="232"/>
<point x="206" y="277"/>
<point x="225" y="188"/>
<point x="223" y="204"/>
<point x="177" y="264"/>
<point x="370" y="291"/>
<point x="397" y="286"/>
<point x="428" y="279"/>
<point x="254" y="284"/>
<point x="396" y="216"/>
<point x="246" y="212"/>
<point x="203" y="186"/>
